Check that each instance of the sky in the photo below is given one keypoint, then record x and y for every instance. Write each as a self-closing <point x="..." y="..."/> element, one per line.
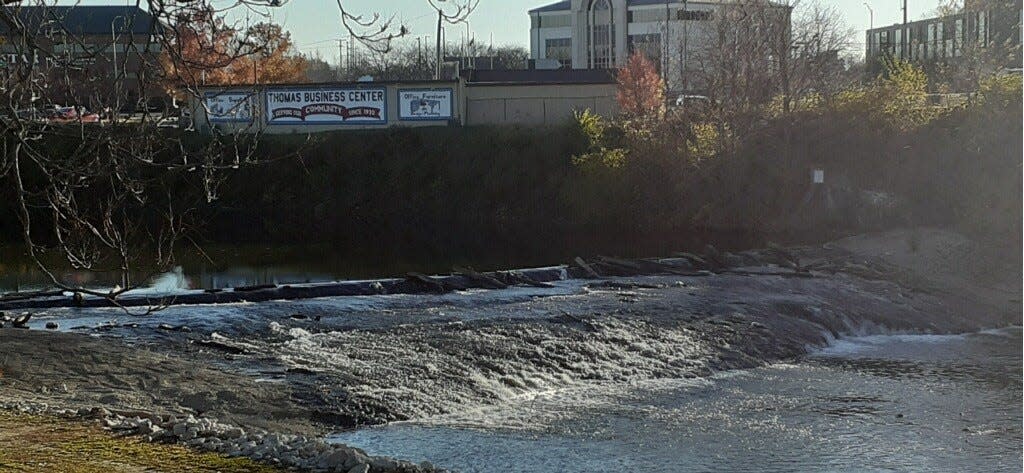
<point x="315" y="25"/>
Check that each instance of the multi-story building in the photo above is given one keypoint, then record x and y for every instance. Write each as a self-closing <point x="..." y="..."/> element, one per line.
<point x="601" y="34"/>
<point x="982" y="26"/>
<point x="93" y="55"/>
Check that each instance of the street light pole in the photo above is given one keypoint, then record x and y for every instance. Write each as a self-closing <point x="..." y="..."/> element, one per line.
<point x="871" y="12"/>
<point x="113" y="41"/>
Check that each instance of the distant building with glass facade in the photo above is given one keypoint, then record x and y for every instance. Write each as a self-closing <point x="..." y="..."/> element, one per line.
<point x="979" y="26"/>
<point x="601" y="34"/>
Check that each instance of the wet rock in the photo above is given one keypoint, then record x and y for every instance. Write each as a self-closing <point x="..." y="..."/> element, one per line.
<point x="21" y="321"/>
<point x="299" y="316"/>
<point x="51" y="325"/>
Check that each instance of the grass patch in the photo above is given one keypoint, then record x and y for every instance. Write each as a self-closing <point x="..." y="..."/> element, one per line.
<point x="31" y="443"/>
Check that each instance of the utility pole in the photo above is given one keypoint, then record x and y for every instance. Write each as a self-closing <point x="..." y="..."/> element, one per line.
<point x="664" y="45"/>
<point x="686" y="47"/>
<point x="437" y="63"/>
<point x="341" y="56"/>
<point x="419" y="54"/>
<point x="903" y="34"/>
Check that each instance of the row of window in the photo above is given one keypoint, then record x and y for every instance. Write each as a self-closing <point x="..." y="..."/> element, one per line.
<point x="633" y="16"/>
<point x="939" y="39"/>
<point x="561" y="48"/>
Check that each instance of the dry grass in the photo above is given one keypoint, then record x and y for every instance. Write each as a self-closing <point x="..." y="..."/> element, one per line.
<point x="46" y="444"/>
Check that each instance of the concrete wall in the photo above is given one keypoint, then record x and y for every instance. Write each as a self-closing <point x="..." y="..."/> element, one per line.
<point x="535" y="104"/>
<point x="392" y="117"/>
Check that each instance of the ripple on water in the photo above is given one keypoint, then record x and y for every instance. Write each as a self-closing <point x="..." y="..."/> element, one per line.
<point x="881" y="403"/>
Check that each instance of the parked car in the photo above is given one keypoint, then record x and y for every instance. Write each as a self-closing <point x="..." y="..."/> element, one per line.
<point x="63" y="115"/>
<point x="169" y="122"/>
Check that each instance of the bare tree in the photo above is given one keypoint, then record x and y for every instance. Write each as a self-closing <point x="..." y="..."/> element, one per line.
<point x="754" y="52"/>
<point x="106" y="192"/>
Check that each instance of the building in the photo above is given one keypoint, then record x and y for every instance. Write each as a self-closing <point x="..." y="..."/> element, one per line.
<point x="601" y="34"/>
<point x="484" y="97"/>
<point x="94" y="55"/>
<point x="982" y="26"/>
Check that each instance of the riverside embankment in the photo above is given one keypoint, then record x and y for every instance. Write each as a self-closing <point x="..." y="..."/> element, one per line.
<point x="295" y="371"/>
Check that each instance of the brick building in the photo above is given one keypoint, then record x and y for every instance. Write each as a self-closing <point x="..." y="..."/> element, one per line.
<point x="95" y="56"/>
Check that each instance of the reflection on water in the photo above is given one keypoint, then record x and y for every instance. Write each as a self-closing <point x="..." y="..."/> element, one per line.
<point x="881" y="403"/>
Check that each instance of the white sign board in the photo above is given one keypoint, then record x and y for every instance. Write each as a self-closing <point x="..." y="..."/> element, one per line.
<point x="818" y="176"/>
<point x="228" y="106"/>
<point x="327" y="106"/>
<point x="425" y="104"/>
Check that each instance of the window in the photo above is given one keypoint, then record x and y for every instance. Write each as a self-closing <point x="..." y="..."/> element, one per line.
<point x="983" y="29"/>
<point x="648" y="44"/>
<point x="601" y="35"/>
<point x="560" y="49"/>
<point x="646" y="16"/>
<point x="690" y="15"/>
<point x="555" y="21"/>
<point x="958" y="36"/>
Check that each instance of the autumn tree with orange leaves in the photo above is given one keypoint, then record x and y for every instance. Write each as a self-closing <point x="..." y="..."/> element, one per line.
<point x="208" y="52"/>
<point x="273" y="61"/>
<point x="641" y="90"/>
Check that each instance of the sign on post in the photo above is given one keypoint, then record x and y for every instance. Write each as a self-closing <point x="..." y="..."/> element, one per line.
<point x="425" y="104"/>
<point x="327" y="106"/>
<point x="228" y="106"/>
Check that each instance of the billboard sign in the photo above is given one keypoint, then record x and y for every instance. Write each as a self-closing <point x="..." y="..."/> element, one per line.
<point x="228" y="106"/>
<point x="327" y="106"/>
<point x="425" y="104"/>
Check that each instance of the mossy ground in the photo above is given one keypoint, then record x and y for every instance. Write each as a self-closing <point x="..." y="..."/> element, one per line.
<point x="30" y="443"/>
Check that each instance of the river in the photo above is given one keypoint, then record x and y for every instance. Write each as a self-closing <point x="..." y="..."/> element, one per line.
<point x="874" y="403"/>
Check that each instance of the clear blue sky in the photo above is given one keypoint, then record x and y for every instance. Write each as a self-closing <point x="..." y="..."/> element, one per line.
<point x="316" y="24"/>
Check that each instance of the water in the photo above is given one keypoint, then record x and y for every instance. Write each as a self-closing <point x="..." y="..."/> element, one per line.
<point x="876" y="403"/>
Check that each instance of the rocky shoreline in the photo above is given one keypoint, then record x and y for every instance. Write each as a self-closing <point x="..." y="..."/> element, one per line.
<point x="288" y="380"/>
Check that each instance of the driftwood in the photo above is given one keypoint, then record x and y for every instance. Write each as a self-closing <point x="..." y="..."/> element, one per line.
<point x="423" y="279"/>
<point x="17" y="296"/>
<point x="698" y="262"/>
<point x="482" y="280"/>
<point x="587" y="268"/>
<point x="517" y="278"/>
<point x="639" y="267"/>
<point x="255" y="287"/>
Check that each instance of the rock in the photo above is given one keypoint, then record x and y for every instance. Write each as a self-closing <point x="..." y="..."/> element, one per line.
<point x="361" y="468"/>
<point x="51" y="325"/>
<point x="21" y="320"/>
<point x="299" y="316"/>
<point x="143" y="426"/>
<point x="332" y="459"/>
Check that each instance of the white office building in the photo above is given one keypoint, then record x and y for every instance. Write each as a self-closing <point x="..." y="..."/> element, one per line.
<point x="601" y="34"/>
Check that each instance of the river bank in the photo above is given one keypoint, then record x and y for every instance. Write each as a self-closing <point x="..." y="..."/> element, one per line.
<point x="296" y="371"/>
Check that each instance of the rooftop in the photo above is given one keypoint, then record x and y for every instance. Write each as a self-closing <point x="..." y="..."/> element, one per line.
<point x="88" y="19"/>
<point x="565" y="5"/>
